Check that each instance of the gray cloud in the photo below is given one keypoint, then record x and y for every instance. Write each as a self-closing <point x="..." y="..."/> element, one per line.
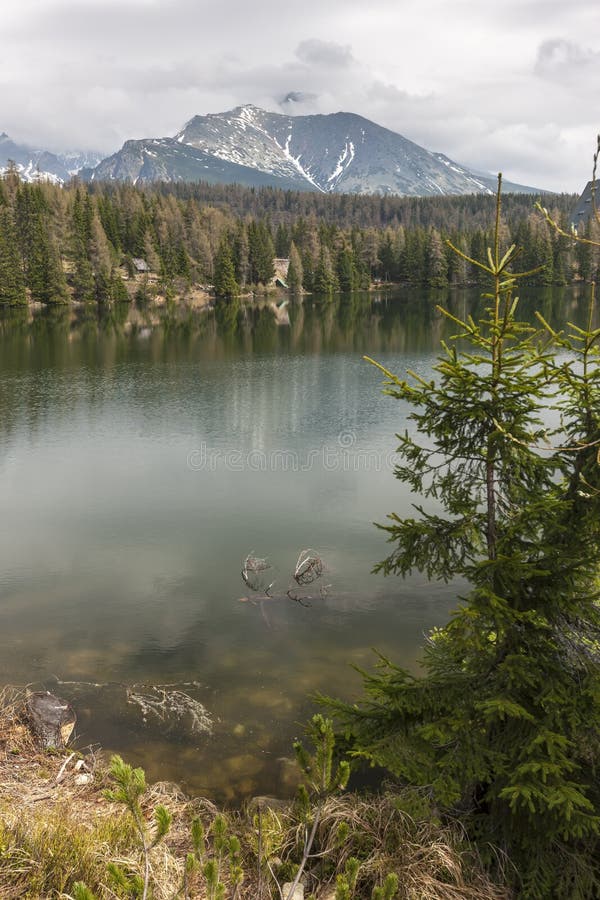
<point x="324" y="53"/>
<point x="298" y="101"/>
<point x="516" y="91"/>
<point x="558" y="59"/>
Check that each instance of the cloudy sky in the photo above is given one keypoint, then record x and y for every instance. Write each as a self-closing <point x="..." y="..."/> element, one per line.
<point x="495" y="84"/>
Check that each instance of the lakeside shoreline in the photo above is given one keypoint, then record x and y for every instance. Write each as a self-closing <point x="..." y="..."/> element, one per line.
<point x="59" y="828"/>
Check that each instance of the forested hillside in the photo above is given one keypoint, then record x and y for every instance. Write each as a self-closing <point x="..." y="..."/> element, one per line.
<point x="86" y="242"/>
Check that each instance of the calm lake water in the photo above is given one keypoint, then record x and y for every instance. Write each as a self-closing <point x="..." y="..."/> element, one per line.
<point x="143" y="455"/>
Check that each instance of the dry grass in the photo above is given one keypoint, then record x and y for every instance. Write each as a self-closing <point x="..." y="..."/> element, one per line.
<point x="54" y="832"/>
<point x="431" y="861"/>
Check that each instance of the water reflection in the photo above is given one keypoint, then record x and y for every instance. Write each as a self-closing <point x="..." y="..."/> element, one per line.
<point x="121" y="556"/>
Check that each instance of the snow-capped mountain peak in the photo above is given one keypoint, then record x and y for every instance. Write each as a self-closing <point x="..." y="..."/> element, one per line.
<point x="34" y="164"/>
<point x="341" y="153"/>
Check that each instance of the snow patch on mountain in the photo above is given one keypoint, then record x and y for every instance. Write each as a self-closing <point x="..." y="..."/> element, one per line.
<point x="343" y="162"/>
<point x="295" y="160"/>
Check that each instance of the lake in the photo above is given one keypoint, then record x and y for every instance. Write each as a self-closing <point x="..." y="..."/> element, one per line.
<point x="143" y="456"/>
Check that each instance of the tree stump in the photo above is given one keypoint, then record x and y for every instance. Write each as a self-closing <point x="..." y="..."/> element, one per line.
<point x="51" y="720"/>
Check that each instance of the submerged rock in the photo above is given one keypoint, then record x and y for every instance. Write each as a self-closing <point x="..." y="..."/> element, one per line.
<point x="288" y="776"/>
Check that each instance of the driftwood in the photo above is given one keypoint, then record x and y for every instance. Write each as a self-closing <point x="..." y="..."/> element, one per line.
<point x="253" y="574"/>
<point x="309" y="568"/>
<point x="50" y="719"/>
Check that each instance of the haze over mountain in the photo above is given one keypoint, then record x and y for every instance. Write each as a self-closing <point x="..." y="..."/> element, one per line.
<point x="336" y="153"/>
<point x="33" y="163"/>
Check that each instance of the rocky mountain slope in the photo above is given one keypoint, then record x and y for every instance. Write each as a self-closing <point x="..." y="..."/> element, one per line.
<point x="337" y="153"/>
<point x="167" y="159"/>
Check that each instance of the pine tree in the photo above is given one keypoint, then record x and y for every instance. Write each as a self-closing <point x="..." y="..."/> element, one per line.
<point x="369" y="251"/>
<point x="295" y="273"/>
<point x="109" y="216"/>
<point x="347" y="275"/>
<point x="503" y="727"/>
<point x="83" y="276"/>
<point x="149" y="253"/>
<point x="477" y="251"/>
<point x="387" y="256"/>
<point x="261" y="253"/>
<point x="45" y="276"/>
<point x="11" y="178"/>
<point x="282" y="241"/>
<point x="308" y="271"/>
<point x="84" y="289"/>
<point x="101" y="258"/>
<point x="325" y="281"/>
<point x="457" y="265"/>
<point x="118" y="289"/>
<point x="226" y="287"/>
<point x="12" y="282"/>
<point x="414" y="262"/>
<point x="241" y="255"/>
<point x="37" y="238"/>
<point x="437" y="267"/>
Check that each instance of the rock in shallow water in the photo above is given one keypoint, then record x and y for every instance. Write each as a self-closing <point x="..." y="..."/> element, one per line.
<point x="51" y="719"/>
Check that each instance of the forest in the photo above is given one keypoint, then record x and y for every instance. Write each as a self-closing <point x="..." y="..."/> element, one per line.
<point x="79" y="242"/>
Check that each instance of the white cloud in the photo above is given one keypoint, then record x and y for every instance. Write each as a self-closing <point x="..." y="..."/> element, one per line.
<point x="515" y="89"/>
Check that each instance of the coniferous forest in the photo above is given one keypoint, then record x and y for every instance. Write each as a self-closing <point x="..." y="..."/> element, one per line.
<point x="80" y="241"/>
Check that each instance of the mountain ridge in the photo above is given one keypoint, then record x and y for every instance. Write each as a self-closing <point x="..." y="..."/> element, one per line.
<point x="332" y="153"/>
<point x="338" y="152"/>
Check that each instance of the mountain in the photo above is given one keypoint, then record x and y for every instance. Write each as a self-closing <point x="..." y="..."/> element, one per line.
<point x="336" y="153"/>
<point x="32" y="163"/>
<point x="167" y="159"/>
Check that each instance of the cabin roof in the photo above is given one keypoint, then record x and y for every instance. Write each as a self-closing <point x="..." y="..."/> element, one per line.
<point x="581" y="212"/>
